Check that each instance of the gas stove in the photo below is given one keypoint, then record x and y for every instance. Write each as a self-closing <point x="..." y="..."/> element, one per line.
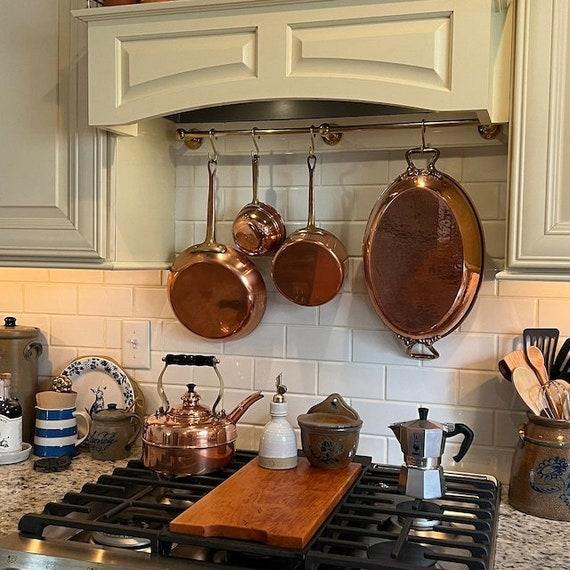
<point x="121" y="521"/>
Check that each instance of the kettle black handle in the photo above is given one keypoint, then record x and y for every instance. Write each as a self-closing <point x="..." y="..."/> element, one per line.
<point x="468" y="437"/>
<point x="190" y="360"/>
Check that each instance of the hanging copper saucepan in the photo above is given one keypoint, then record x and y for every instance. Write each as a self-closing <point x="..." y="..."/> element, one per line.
<point x="423" y="255"/>
<point x="258" y="228"/>
<point x="215" y="291"/>
<point x="310" y="266"/>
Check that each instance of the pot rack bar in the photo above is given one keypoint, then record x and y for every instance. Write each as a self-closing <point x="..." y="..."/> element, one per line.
<point x="331" y="133"/>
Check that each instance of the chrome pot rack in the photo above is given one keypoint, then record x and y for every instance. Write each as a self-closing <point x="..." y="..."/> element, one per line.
<point x="330" y="133"/>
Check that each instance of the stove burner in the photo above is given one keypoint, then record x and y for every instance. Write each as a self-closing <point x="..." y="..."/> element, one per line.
<point x="411" y="553"/>
<point x="119" y="540"/>
<point x="411" y="507"/>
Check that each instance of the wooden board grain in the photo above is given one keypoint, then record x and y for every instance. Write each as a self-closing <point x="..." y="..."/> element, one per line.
<point x="280" y="508"/>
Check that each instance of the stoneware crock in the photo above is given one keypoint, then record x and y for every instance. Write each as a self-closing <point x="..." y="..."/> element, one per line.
<point x="329" y="433"/>
<point x="540" y="475"/>
<point x="113" y="433"/>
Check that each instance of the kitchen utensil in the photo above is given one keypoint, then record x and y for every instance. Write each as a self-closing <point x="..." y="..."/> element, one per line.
<point x="310" y="266"/>
<point x="278" y="443"/>
<point x="544" y="339"/>
<point x="536" y="360"/>
<point x="517" y="359"/>
<point x="422" y="442"/>
<point x="191" y="439"/>
<point x="215" y="291"/>
<point x="561" y="367"/>
<point x="540" y="474"/>
<point x="423" y="256"/>
<point x="553" y="397"/>
<point x="57" y="433"/>
<point x="258" y="228"/>
<point x="19" y="354"/>
<point x="280" y="508"/>
<point x="329" y="433"/>
<point x="113" y="433"/>
<point x="98" y="381"/>
<point x="505" y="371"/>
<point x="528" y="387"/>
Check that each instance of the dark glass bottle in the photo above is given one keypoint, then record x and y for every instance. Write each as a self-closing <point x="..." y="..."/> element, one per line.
<point x="10" y="417"/>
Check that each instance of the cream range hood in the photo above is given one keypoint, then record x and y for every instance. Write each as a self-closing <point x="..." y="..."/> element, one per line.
<point x="170" y="58"/>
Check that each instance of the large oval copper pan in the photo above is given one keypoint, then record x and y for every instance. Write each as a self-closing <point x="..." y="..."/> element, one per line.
<point x="215" y="291"/>
<point x="309" y="268"/>
<point x="423" y="256"/>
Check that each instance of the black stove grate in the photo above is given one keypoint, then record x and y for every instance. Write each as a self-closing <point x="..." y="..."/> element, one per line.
<point x="136" y="502"/>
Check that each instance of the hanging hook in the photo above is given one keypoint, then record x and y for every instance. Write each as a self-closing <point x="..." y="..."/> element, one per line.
<point x="214" y="155"/>
<point x="313" y="136"/>
<point x="257" y="151"/>
<point x="423" y="134"/>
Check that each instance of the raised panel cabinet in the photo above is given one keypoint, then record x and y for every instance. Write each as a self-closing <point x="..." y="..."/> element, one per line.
<point x="539" y="224"/>
<point x="155" y="59"/>
<point x="73" y="195"/>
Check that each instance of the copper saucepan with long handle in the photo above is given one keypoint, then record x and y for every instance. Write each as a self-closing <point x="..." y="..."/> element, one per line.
<point x="215" y="291"/>
<point x="258" y="228"/>
<point x="310" y="266"/>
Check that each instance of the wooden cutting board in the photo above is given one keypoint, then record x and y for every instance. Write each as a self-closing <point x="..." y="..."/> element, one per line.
<point x="280" y="508"/>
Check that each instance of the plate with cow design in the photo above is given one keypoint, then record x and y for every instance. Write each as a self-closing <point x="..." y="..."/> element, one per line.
<point x="100" y="381"/>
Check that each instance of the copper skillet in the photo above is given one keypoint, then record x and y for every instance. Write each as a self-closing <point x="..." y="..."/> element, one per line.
<point x="423" y="256"/>
<point x="310" y="266"/>
<point x="258" y="228"/>
<point x="215" y="291"/>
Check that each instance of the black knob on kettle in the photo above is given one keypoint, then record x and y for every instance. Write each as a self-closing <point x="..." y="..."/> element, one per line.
<point x="10" y="322"/>
<point x="191" y="388"/>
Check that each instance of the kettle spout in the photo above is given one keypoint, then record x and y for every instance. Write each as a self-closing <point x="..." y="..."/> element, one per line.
<point x="235" y="415"/>
<point x="396" y="429"/>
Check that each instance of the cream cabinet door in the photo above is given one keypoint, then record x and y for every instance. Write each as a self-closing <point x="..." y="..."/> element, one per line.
<point x="539" y="229"/>
<point x="52" y="193"/>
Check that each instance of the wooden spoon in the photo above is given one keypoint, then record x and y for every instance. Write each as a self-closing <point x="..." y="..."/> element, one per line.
<point x="516" y="359"/>
<point x="528" y="388"/>
<point x="536" y="360"/>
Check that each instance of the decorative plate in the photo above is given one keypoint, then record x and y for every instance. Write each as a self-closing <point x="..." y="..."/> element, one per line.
<point x="100" y="381"/>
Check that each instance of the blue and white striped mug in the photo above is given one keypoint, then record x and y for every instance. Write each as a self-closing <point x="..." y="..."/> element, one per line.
<point x="56" y="431"/>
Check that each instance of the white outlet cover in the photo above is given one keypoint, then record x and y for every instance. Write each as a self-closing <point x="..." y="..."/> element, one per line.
<point x="136" y="344"/>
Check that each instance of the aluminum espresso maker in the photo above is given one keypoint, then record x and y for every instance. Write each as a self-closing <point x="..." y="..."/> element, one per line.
<point x="422" y="442"/>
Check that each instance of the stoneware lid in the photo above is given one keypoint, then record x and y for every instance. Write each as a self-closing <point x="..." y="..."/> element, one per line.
<point x="111" y="414"/>
<point x="11" y="330"/>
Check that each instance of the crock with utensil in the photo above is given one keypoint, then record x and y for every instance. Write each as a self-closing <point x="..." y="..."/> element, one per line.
<point x="540" y="474"/>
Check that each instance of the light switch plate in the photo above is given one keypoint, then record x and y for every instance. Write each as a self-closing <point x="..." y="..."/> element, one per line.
<point x="136" y="344"/>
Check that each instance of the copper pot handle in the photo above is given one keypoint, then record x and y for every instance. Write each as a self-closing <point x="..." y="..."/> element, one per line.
<point x="187" y="360"/>
<point x="210" y="243"/>
<point x="411" y="343"/>
<point x="255" y="177"/>
<point x="311" y="163"/>
<point x="412" y="168"/>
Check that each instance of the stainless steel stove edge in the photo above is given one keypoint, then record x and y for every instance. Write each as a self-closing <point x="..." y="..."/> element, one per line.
<point x="21" y="553"/>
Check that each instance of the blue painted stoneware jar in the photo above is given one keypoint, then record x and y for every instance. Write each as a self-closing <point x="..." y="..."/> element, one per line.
<point x="540" y="475"/>
<point x="113" y="433"/>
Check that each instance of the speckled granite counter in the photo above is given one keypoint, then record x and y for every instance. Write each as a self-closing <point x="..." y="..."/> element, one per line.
<point x="524" y="542"/>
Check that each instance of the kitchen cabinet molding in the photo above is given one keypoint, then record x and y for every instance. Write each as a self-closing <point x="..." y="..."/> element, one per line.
<point x="73" y="195"/>
<point x="539" y="212"/>
<point x="156" y="59"/>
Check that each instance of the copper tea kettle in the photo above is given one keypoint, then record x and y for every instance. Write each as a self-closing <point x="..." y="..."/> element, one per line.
<point x="191" y="439"/>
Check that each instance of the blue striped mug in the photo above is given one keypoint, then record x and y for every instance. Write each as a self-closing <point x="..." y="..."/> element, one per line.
<point x="56" y="431"/>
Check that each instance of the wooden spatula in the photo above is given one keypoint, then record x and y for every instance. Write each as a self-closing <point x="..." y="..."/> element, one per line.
<point x="528" y="388"/>
<point x="536" y="360"/>
<point x="516" y="359"/>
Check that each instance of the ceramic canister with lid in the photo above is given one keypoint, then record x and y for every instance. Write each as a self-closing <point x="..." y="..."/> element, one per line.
<point x="19" y="353"/>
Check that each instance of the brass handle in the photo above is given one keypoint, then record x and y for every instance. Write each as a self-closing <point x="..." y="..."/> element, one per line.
<point x="410" y="344"/>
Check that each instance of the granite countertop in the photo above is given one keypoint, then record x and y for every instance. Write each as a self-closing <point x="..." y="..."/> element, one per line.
<point x="524" y="542"/>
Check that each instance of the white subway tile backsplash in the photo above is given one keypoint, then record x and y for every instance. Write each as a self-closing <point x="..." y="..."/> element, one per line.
<point x="54" y="360"/>
<point x="176" y="338"/>
<point x="484" y="164"/>
<point x="75" y="276"/>
<point x="469" y="351"/>
<point x="350" y="310"/>
<point x="487" y="390"/>
<point x="281" y="310"/>
<point x="378" y="415"/>
<point x="485" y="196"/>
<point x="349" y="168"/>
<point x="409" y="383"/>
<point x="351" y="380"/>
<point x="11" y="297"/>
<point x="24" y="274"/>
<point x="500" y="315"/>
<point x="327" y="343"/>
<point x="77" y="331"/>
<point x="507" y="427"/>
<point x="152" y="302"/>
<point x="378" y="347"/>
<point x="107" y="301"/>
<point x="265" y="340"/>
<point x="554" y="313"/>
<point x="495" y="238"/>
<point x="374" y="446"/>
<point x="139" y="277"/>
<point x="236" y="371"/>
<point x="479" y="420"/>
<point x="298" y="375"/>
<point x="114" y="333"/>
<point x="50" y="299"/>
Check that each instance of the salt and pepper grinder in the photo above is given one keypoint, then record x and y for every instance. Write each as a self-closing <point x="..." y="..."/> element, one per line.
<point x="278" y="445"/>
